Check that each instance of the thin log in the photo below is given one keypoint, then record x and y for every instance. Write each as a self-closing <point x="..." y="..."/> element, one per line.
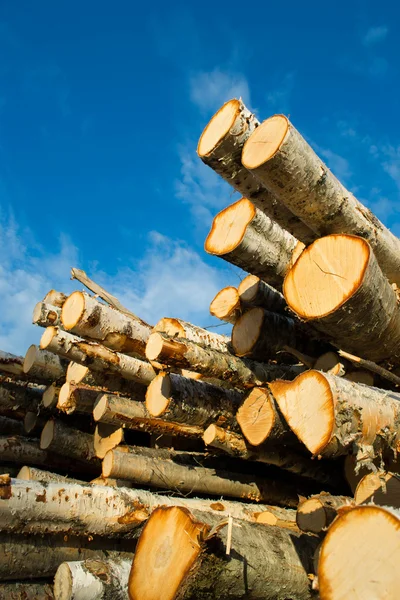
<point x="360" y="555"/>
<point x="106" y="437"/>
<point x="280" y="158"/>
<point x="11" y="426"/>
<point x="95" y="510"/>
<point x="202" y="337"/>
<point x="112" y="482"/>
<point x="96" y="356"/>
<point x="255" y="292"/>
<point x="331" y="362"/>
<point x="240" y="372"/>
<point x="76" y="398"/>
<point x="194" y="562"/>
<point x="55" y="298"/>
<point x="380" y="488"/>
<point x="26" y="591"/>
<point x="41" y="365"/>
<point x="220" y="147"/>
<point x="33" y="423"/>
<point x="269" y="517"/>
<point x="45" y="315"/>
<point x="318" y="512"/>
<point x="371" y="366"/>
<point x="79" y="374"/>
<point x="178" y="399"/>
<point x="98" y="579"/>
<point x="33" y="474"/>
<point x="333" y="416"/>
<point x="50" y="396"/>
<point x="175" y="477"/>
<point x="16" y="400"/>
<point x="85" y="316"/>
<point x="58" y="437"/>
<point x="245" y="237"/>
<point x="226" y="305"/>
<point x="9" y="363"/>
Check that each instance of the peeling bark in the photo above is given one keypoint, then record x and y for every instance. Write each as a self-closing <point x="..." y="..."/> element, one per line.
<point x="66" y="441"/>
<point x="9" y="363"/>
<point x="45" y="315"/>
<point x="42" y="365"/>
<point x="93" y="579"/>
<point x="202" y="337"/>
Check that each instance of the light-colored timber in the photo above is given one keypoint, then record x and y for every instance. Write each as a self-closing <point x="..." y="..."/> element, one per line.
<point x="39" y="364"/>
<point x="79" y="374"/>
<point x="226" y="305"/>
<point x="316" y="513"/>
<point x="67" y="441"/>
<point x="380" y="488"/>
<point x="202" y="337"/>
<point x="54" y="298"/>
<point x="50" y="396"/>
<point x="106" y="437"/>
<point x="9" y="363"/>
<point x="255" y="292"/>
<point x="26" y="591"/>
<point x="34" y="474"/>
<point x="45" y="315"/>
<point x="76" y="398"/>
<point x="95" y="579"/>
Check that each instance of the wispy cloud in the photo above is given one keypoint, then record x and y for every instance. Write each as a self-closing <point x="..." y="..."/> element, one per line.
<point x="210" y="90"/>
<point x="391" y="163"/>
<point x="279" y="98"/>
<point x="374" y="35"/>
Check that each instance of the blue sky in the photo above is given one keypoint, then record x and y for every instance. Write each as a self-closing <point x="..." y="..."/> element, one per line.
<point x="101" y="107"/>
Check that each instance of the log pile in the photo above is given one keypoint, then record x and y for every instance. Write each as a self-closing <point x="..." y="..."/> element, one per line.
<point x="170" y="462"/>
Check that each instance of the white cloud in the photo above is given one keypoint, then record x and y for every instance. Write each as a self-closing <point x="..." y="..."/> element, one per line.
<point x="210" y="90"/>
<point x="374" y="35"/>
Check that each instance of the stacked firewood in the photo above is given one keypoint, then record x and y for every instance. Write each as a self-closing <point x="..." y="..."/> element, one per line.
<point x="172" y="462"/>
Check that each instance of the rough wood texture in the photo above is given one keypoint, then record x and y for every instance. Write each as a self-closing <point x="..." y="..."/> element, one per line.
<point x="58" y="437"/>
<point x="96" y="356"/>
<point x="39" y="364"/>
<point x="184" y="556"/>
<point x="175" y="398"/>
<point x="360" y="553"/>
<point x="45" y="315"/>
<point x="20" y="450"/>
<point x="333" y="416"/>
<point x="33" y="474"/>
<point x="318" y="512"/>
<point x="240" y="372"/>
<point x="380" y="488"/>
<point x="26" y="591"/>
<point x="55" y="298"/>
<point x="226" y="305"/>
<point x="220" y="147"/>
<point x="95" y="510"/>
<point x="245" y="237"/>
<point x="76" y="398"/>
<point x="11" y="426"/>
<point x="16" y="399"/>
<point x="79" y="374"/>
<point x="175" y="477"/>
<point x="339" y="288"/>
<point x="255" y="292"/>
<point x="284" y="162"/>
<point x="9" y="363"/>
<point x="202" y="337"/>
<point x="87" y="317"/>
<point x="93" y="579"/>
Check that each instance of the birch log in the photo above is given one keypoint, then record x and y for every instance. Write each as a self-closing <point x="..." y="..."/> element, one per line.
<point x="87" y="317"/>
<point x="33" y="423"/>
<point x="333" y="416"/>
<point x="20" y="450"/>
<point x="188" y="556"/>
<point x="106" y="437"/>
<point x="95" y="510"/>
<point x="96" y="579"/>
<point x="26" y="591"/>
<point x="33" y="474"/>
<point x="175" y="477"/>
<point x="226" y="305"/>
<point x="245" y="237"/>
<point x="50" y="396"/>
<point x="351" y="300"/>
<point x="255" y="292"/>
<point x="284" y="162"/>
<point x="58" y="437"/>
<point x="202" y="337"/>
<point x="360" y="553"/>
<point x="318" y="512"/>
<point x="42" y="365"/>
<point x="240" y="372"/>
<point x="79" y="374"/>
<point x="380" y="488"/>
<point x="45" y="315"/>
<point x="16" y="400"/>
<point x="175" y="398"/>
<point x="220" y="147"/>
<point x="127" y="413"/>
<point x="55" y="298"/>
<point x="11" y="426"/>
<point x="76" y="398"/>
<point x="96" y="356"/>
<point x="9" y="363"/>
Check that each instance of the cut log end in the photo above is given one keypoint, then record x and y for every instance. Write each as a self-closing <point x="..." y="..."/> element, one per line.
<point x="30" y="421"/>
<point x="47" y="434"/>
<point x="160" y="567"/>
<point x="326" y="275"/>
<point x="29" y="359"/>
<point x="76" y="373"/>
<point x="154" y="346"/>
<point x="107" y="464"/>
<point x="218" y="127"/>
<point x="100" y="406"/>
<point x="307" y="405"/>
<point x="256" y="416"/>
<point x="210" y="434"/>
<point x="72" y="310"/>
<point x="246" y="331"/>
<point x="379" y="488"/>
<point x="63" y="583"/>
<point x="48" y="335"/>
<point x="226" y="305"/>
<point x="228" y="227"/>
<point x="311" y="516"/>
<point x="158" y="395"/>
<point x="170" y="326"/>
<point x="361" y="552"/>
<point x="248" y="288"/>
<point x="64" y="397"/>
<point x="24" y="473"/>
<point x="265" y="141"/>
<point x="49" y="398"/>
<point x="107" y="437"/>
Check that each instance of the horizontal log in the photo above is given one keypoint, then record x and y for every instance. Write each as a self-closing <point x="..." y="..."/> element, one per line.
<point x="316" y="514"/>
<point x="255" y="292"/>
<point x="9" y="363"/>
<point x="34" y="474"/>
<point x="240" y="372"/>
<point x="33" y="423"/>
<point x="76" y="398"/>
<point x="26" y="591"/>
<point x="106" y="437"/>
<point x="96" y="356"/>
<point x="381" y="488"/>
<point x="55" y="298"/>
<point x="79" y="374"/>
<point x="66" y="441"/>
<point x="101" y="579"/>
<point x="16" y="400"/>
<point x="45" y="315"/>
<point x="41" y="365"/>
<point x="11" y="426"/>
<point x="226" y="305"/>
<point x="87" y="317"/>
<point x="198" y="335"/>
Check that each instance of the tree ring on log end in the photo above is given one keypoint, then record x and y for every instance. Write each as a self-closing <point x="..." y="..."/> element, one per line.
<point x="47" y="435"/>
<point x="72" y="310"/>
<point x="218" y="127"/>
<point x="158" y="395"/>
<point x="256" y="416"/>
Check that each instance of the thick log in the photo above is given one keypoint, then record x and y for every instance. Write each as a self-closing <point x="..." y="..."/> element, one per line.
<point x="238" y="371"/>
<point x="9" y="363"/>
<point x="11" y="426"/>
<point x="280" y="158"/>
<point x="96" y="356"/>
<point x="339" y="288"/>
<point x="39" y="556"/>
<point x="58" y="437"/>
<point x="41" y="365"/>
<point x="20" y="450"/>
<point x="226" y="305"/>
<point x="333" y="416"/>
<point x="55" y="298"/>
<point x="106" y="437"/>
<point x="79" y="374"/>
<point x="16" y="400"/>
<point x="255" y="292"/>
<point x="97" y="579"/>
<point x="380" y="488"/>
<point x="190" y="556"/>
<point x="127" y="413"/>
<point x="198" y="335"/>
<point x="33" y="474"/>
<point x="234" y="444"/>
<point x="50" y="396"/>
<point x="33" y="423"/>
<point x="178" y="399"/>
<point x="318" y="512"/>
<point x="26" y="591"/>
<point x="245" y="237"/>
<point x="45" y="315"/>
<point x="76" y="398"/>
<point x="360" y="555"/>
<point x="220" y="147"/>
<point x="87" y="317"/>
<point x="261" y="335"/>
<point x="175" y="477"/>
<point x="95" y="510"/>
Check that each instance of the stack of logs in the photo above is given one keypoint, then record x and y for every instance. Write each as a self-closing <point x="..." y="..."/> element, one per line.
<point x="172" y="462"/>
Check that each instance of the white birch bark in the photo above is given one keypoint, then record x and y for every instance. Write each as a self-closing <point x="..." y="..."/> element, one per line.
<point x="26" y="591"/>
<point x="34" y="474"/>
<point x="92" y="579"/>
<point x="55" y="298"/>
<point x="66" y="441"/>
<point x="45" y="315"/>
<point x="42" y="365"/>
<point x="9" y="363"/>
<point x="202" y="337"/>
<point x="76" y="398"/>
<point x="79" y="374"/>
